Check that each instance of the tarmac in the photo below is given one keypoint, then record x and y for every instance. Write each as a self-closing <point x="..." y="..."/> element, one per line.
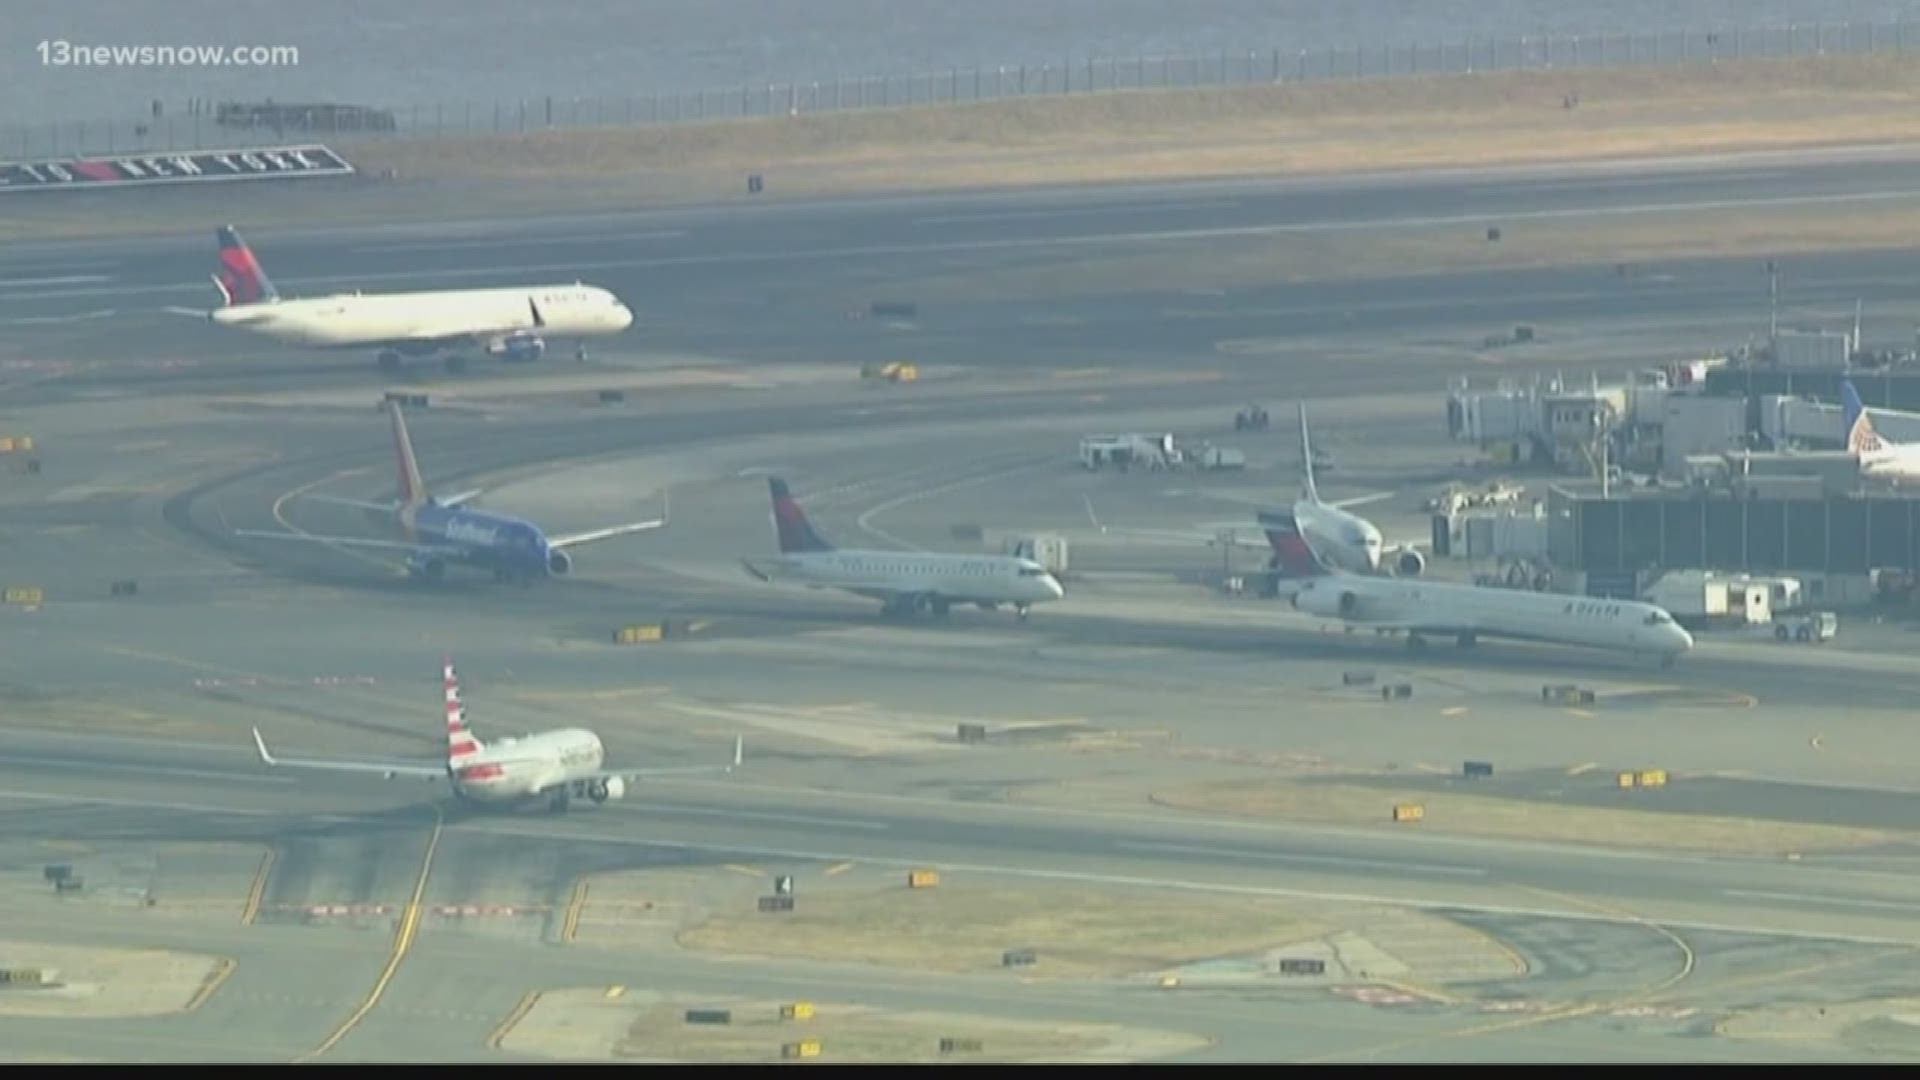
<point x="372" y="920"/>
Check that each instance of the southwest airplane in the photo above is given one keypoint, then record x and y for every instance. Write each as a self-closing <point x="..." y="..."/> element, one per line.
<point x="437" y="533"/>
<point x="1878" y="458"/>
<point x="511" y="323"/>
<point x="556" y="765"/>
<point x="1469" y="612"/>
<point x="902" y="581"/>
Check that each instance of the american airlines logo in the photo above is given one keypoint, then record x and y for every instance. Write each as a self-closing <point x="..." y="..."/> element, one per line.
<point x="468" y="533"/>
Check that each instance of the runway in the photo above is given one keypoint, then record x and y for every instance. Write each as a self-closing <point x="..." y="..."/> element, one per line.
<point x="424" y="930"/>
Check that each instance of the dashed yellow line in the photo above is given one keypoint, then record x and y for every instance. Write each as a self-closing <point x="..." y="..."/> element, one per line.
<point x="574" y="906"/>
<point x="836" y="869"/>
<point x="1583" y="768"/>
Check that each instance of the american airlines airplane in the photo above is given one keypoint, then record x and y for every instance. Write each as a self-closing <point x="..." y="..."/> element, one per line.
<point x="513" y="324"/>
<point x="435" y="533"/>
<point x="1878" y="458"/>
<point x="903" y="581"/>
<point x="554" y="765"/>
<point x="1469" y="612"/>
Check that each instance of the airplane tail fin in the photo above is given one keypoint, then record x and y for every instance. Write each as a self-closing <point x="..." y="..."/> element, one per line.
<point x="790" y="525"/>
<point x="241" y="280"/>
<point x="412" y="490"/>
<point x="460" y="742"/>
<point x="1293" y="557"/>
<point x="1861" y="438"/>
<point x="1307" y="489"/>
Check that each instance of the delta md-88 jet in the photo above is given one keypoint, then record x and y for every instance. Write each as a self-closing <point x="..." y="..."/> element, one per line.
<point x="511" y="323"/>
<point x="435" y="533"/>
<point x="557" y="766"/>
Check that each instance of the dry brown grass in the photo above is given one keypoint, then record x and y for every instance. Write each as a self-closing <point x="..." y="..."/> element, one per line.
<point x="966" y="928"/>
<point x="1320" y="128"/>
<point x="1514" y="818"/>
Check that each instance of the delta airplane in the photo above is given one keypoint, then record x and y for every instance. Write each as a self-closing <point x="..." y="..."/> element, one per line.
<point x="555" y="765"/>
<point x="902" y="581"/>
<point x="1468" y="612"/>
<point x="1879" y="459"/>
<point x="511" y="323"/>
<point x="436" y="533"/>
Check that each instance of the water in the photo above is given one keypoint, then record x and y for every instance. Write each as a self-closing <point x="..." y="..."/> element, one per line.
<point x="405" y="53"/>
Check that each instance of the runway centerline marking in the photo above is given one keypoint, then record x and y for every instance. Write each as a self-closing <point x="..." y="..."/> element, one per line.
<point x="1289" y="857"/>
<point x="402" y="943"/>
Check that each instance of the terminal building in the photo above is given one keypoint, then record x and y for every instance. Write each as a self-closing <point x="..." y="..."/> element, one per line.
<point x="1700" y="467"/>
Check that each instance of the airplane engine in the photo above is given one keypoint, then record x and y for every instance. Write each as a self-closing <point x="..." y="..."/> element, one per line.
<point x="1328" y="602"/>
<point x="559" y="563"/>
<point x="1407" y="562"/>
<point x="612" y="787"/>
<point x="517" y="348"/>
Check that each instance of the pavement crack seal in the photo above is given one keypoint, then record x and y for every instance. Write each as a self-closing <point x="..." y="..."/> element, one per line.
<point x="402" y="943"/>
<point x="259" y="890"/>
<point x="214" y="980"/>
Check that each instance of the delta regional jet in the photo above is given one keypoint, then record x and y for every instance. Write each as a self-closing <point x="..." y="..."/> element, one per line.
<point x="435" y="533"/>
<point x="555" y="765"/>
<point x="903" y="581"/>
<point x="511" y="323"/>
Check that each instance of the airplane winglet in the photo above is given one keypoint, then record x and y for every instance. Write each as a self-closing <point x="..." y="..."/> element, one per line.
<point x="260" y="744"/>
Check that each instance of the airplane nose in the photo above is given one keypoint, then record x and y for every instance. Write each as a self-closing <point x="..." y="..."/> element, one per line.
<point x="1053" y="586"/>
<point x="624" y="316"/>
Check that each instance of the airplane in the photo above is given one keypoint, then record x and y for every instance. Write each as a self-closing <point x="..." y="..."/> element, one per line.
<point x="511" y="323"/>
<point x="1469" y="612"/>
<point x="439" y="532"/>
<point x="558" y="765"/>
<point x="903" y="581"/>
<point x="1878" y="458"/>
<point x="1344" y="540"/>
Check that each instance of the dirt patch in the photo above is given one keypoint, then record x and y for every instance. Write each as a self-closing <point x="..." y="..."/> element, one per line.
<point x="1331" y="127"/>
<point x="107" y="983"/>
<point x="1512" y="818"/>
<point x="968" y="928"/>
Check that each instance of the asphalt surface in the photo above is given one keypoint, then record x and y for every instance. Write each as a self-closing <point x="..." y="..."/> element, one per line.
<point x="133" y="762"/>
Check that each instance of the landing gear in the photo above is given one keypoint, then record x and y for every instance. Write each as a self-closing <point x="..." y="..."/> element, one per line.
<point x="389" y="361"/>
<point x="580" y="355"/>
<point x="1467" y="640"/>
<point x="1416" y="642"/>
<point x="939" y="606"/>
<point x="456" y="364"/>
<point x="431" y="570"/>
<point x="1021" y="611"/>
<point x="558" y="800"/>
<point x="1667" y="661"/>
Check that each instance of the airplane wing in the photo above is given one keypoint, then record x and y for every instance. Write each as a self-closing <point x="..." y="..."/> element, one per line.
<point x="739" y="749"/>
<point x="459" y="498"/>
<point x="615" y="530"/>
<point x="390" y="769"/>
<point x="346" y="541"/>
<point x="357" y="504"/>
<point x="1361" y="500"/>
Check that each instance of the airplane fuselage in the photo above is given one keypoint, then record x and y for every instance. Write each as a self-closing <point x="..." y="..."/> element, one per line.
<point x="489" y="317"/>
<point x="962" y="578"/>
<point x="1900" y="464"/>
<point x="1428" y="607"/>
<point x="514" y="770"/>
<point x="509" y="546"/>
<point x="1344" y="541"/>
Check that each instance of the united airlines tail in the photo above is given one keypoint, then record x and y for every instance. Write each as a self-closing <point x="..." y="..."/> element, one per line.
<point x="240" y="278"/>
<point x="1861" y="438"/>
<point x="790" y="525"/>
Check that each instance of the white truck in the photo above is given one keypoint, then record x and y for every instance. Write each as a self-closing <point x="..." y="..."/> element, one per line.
<point x="1809" y="627"/>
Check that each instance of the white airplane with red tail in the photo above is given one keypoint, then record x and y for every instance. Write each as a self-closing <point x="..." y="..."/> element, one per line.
<point x="554" y="765"/>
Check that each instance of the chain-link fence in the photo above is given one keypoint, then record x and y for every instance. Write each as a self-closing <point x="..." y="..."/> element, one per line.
<point x="204" y="125"/>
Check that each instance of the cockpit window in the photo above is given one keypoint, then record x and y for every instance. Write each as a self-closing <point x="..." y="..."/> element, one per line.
<point x="1659" y="618"/>
<point x="1033" y="571"/>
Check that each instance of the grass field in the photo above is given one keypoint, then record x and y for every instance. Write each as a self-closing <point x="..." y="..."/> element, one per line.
<point x="1264" y="130"/>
